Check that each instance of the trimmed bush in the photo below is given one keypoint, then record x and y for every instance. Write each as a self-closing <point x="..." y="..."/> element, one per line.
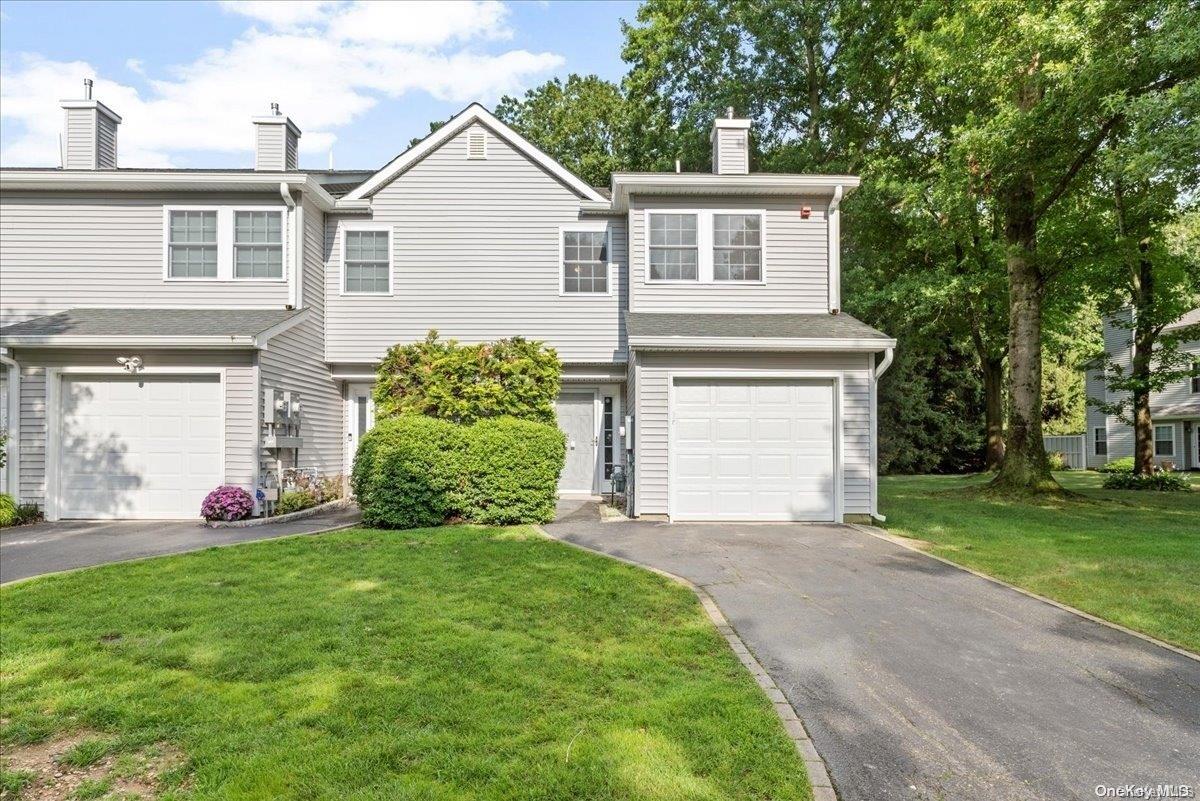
<point x="512" y="469"/>
<point x="227" y="503"/>
<point x="1161" y="481"/>
<point x="295" y="501"/>
<point x="1122" y="465"/>
<point x="1057" y="460"/>
<point x="8" y="510"/>
<point x="408" y="472"/>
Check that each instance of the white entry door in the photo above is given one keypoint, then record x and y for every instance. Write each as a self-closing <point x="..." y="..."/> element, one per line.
<point x="577" y="419"/>
<point x="360" y="417"/>
<point x="138" y="446"/>
<point x="753" y="450"/>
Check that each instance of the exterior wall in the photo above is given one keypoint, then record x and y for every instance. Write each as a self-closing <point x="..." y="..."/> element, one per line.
<point x="60" y="250"/>
<point x="295" y="361"/>
<point x="731" y="151"/>
<point x="268" y="146"/>
<point x="651" y="431"/>
<point x="1094" y="388"/>
<point x="241" y="409"/>
<point x="106" y="142"/>
<point x="795" y="266"/>
<point x="476" y="255"/>
<point x="79" y="139"/>
<point x="1118" y="346"/>
<point x="291" y="150"/>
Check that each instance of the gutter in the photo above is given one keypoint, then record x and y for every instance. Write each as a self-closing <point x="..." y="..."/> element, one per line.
<point x="294" y="298"/>
<point x="880" y="368"/>
<point x="888" y="355"/>
<point x="13" y="446"/>
<point x="760" y="344"/>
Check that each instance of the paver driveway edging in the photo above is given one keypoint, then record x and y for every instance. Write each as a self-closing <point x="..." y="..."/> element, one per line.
<point x="814" y="765"/>
<point x="908" y="544"/>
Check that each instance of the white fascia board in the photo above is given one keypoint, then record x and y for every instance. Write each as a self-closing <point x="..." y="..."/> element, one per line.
<point x="262" y="337"/>
<point x="759" y="343"/>
<point x="153" y="342"/>
<point x="472" y="113"/>
<point x="625" y="184"/>
<point x="96" y="104"/>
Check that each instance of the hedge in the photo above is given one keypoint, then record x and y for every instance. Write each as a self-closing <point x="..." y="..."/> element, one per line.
<point x="1161" y="481"/>
<point x="412" y="471"/>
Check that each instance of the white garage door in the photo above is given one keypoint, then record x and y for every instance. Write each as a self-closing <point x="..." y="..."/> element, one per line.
<point x="752" y="450"/>
<point x="138" y="446"/>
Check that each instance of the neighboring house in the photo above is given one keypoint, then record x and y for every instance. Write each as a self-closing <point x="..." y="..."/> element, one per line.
<point x="150" y="315"/>
<point x="1175" y="410"/>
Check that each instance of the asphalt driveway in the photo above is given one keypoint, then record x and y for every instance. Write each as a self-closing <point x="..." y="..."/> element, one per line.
<point x="921" y="681"/>
<point x="27" y="551"/>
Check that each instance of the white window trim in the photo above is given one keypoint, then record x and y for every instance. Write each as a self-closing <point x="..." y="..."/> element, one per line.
<point x="586" y="225"/>
<point x="1194" y="381"/>
<point x="345" y="228"/>
<point x="225" y="217"/>
<point x="1096" y="440"/>
<point x="1174" y="444"/>
<point x="704" y="247"/>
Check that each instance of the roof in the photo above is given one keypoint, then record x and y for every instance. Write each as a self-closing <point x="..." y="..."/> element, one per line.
<point x="1189" y="319"/>
<point x="152" y="328"/>
<point x="625" y="184"/>
<point x="1176" y="410"/>
<point x="747" y="331"/>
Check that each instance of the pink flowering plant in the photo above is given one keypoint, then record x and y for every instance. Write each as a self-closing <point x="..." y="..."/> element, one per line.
<point x="227" y="503"/>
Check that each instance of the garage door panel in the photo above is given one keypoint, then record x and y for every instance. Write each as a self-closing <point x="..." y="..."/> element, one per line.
<point x="732" y="394"/>
<point x="694" y="465"/>
<point x="696" y="394"/>
<point x="732" y="429"/>
<point x="693" y="430"/>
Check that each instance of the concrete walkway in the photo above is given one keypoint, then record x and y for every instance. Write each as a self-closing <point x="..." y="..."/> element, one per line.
<point x="917" y="680"/>
<point x="42" y="548"/>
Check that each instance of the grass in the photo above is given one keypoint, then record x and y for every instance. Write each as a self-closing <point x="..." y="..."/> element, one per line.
<point x="454" y="663"/>
<point x="1129" y="557"/>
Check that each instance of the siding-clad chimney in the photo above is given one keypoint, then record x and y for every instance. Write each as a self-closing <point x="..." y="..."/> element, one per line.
<point x="731" y="145"/>
<point x="276" y="142"/>
<point x="89" y="133"/>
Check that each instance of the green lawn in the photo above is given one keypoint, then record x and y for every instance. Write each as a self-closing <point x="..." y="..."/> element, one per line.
<point x="1129" y="557"/>
<point x="453" y="663"/>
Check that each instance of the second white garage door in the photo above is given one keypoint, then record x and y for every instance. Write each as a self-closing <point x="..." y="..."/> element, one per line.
<point x="138" y="447"/>
<point x="753" y="450"/>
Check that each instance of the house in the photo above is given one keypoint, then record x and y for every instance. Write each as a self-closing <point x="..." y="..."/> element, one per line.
<point x="153" y="320"/>
<point x="1175" y="410"/>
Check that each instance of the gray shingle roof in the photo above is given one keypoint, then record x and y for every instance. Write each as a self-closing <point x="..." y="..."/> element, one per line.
<point x="750" y="326"/>
<point x="1175" y="410"/>
<point x="101" y="323"/>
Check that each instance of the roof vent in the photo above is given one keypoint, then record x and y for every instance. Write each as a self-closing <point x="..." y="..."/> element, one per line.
<point x="90" y="139"/>
<point x="477" y="143"/>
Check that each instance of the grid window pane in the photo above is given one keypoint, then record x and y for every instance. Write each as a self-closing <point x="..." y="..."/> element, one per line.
<point x="1164" y="440"/>
<point x="673" y="247"/>
<point x="737" y="247"/>
<point x="192" y="245"/>
<point x="258" y="244"/>
<point x="1101" y="437"/>
<point x="585" y="262"/>
<point x="367" y="268"/>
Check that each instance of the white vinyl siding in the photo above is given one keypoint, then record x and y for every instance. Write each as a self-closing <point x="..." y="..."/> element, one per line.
<point x="585" y="262"/>
<point x="192" y="246"/>
<point x="258" y="244"/>
<point x="368" y="263"/>
<point x="106" y="142"/>
<point x="79" y="139"/>
<point x="731" y="151"/>
<point x="737" y="247"/>
<point x="269" y="146"/>
<point x="674" y="247"/>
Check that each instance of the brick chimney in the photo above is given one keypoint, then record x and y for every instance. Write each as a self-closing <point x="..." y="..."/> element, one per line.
<point x="276" y="142"/>
<point x="731" y="145"/>
<point x="89" y="140"/>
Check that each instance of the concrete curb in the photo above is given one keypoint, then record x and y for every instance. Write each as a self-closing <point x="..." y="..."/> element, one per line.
<point x="312" y="511"/>
<point x="907" y="544"/>
<point x="814" y="765"/>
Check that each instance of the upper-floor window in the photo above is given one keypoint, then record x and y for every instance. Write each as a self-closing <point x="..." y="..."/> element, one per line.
<point x="674" y="247"/>
<point x="367" y="261"/>
<point x="192" y="247"/>
<point x="737" y="247"/>
<point x="258" y="244"/>
<point x="585" y="261"/>
<point x="1196" y="376"/>
<point x="1164" y="440"/>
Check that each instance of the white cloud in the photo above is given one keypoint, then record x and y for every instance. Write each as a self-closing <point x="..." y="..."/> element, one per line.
<point x="325" y="64"/>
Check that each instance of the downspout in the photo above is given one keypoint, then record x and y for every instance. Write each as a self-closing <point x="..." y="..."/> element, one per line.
<point x="13" y="446"/>
<point x="294" y="296"/>
<point x="834" y="226"/>
<point x="880" y="368"/>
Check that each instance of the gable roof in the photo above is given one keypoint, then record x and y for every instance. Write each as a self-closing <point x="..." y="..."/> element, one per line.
<point x="471" y="114"/>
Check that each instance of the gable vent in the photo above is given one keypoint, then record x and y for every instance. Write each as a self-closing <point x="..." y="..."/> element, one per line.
<point x="476" y="144"/>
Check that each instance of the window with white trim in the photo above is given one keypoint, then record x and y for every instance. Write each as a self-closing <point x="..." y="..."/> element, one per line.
<point x="258" y="244"/>
<point x="367" y="265"/>
<point x="1164" y="440"/>
<point x="585" y="262"/>
<point x="737" y="247"/>
<point x="1101" y="441"/>
<point x="192" y="247"/>
<point x="1196" y="376"/>
<point x="674" y="247"/>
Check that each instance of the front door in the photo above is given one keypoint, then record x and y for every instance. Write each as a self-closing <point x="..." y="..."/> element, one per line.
<point x="577" y="419"/>
<point x="360" y="416"/>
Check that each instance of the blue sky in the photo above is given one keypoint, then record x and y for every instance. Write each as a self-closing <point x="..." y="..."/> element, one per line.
<point x="359" y="78"/>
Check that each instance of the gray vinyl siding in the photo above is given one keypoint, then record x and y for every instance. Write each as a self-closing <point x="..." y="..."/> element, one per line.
<point x="269" y="146"/>
<point x="650" y="399"/>
<point x="241" y="410"/>
<point x="731" y="151"/>
<point x="1178" y="392"/>
<point x="476" y="256"/>
<point x="59" y="250"/>
<point x="79" y="139"/>
<point x="1118" y="347"/>
<point x="291" y="150"/>
<point x="4" y="368"/>
<point x="1094" y="388"/>
<point x="106" y="142"/>
<point x="795" y="261"/>
<point x="295" y="361"/>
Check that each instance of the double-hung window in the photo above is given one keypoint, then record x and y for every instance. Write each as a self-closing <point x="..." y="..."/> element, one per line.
<point x="674" y="247"/>
<point x="192" y="247"/>
<point x="737" y="247"/>
<point x="257" y="244"/>
<point x="1164" y="440"/>
<point x="367" y="261"/>
<point x="585" y="262"/>
<point x="1196" y="376"/>
<point x="1100" y="434"/>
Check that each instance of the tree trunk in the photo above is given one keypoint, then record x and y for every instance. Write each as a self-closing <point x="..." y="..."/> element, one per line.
<point x="1025" y="467"/>
<point x="993" y="415"/>
<point x="1144" y="335"/>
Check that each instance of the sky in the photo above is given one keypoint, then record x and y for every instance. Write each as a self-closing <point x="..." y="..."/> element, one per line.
<point x="359" y="78"/>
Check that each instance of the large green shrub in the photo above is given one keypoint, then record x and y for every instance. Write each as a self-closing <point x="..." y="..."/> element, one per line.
<point x="1161" y="481"/>
<point x="295" y="501"/>
<point x="464" y="383"/>
<point x="8" y="510"/>
<point x="1122" y="465"/>
<point x="408" y="472"/>
<point x="512" y="469"/>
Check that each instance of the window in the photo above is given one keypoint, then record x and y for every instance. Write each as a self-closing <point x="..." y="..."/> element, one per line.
<point x="368" y="263"/>
<point x="192" y="244"/>
<point x="1196" y="376"/>
<point x="1101" y="440"/>
<point x="258" y="244"/>
<point x="608" y="437"/>
<point x="1164" y="440"/>
<point x="737" y="247"/>
<point x="585" y="262"/>
<point x="674" y="247"/>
